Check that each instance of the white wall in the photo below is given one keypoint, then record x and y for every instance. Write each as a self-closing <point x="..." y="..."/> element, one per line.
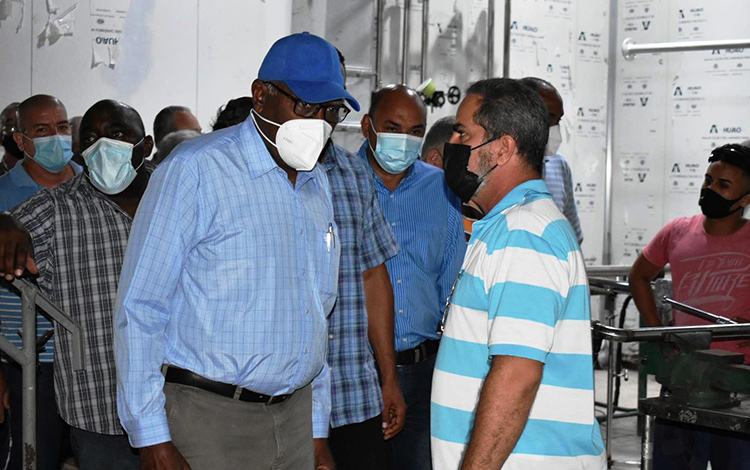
<point x="194" y="53"/>
<point x="563" y="41"/>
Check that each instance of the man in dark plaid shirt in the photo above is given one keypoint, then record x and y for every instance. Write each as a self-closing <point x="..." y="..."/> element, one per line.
<point x="74" y="236"/>
<point x="363" y="413"/>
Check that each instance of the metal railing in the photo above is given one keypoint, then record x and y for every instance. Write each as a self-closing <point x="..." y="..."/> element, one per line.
<point x="26" y="357"/>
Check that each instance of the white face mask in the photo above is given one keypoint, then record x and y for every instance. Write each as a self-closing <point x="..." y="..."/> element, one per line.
<point x="554" y="141"/>
<point x="299" y="141"/>
<point x="110" y="167"/>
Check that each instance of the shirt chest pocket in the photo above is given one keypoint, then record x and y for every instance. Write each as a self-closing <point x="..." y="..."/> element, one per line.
<point x="326" y="262"/>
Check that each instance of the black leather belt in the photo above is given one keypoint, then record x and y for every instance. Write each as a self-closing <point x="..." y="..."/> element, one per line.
<point x="420" y="353"/>
<point x="185" y="377"/>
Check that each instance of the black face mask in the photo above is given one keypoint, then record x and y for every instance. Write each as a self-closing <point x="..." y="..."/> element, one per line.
<point x="715" y="206"/>
<point x="10" y="147"/>
<point x="460" y="180"/>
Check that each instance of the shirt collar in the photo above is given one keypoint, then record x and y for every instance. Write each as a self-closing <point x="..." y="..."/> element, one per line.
<point x="23" y="180"/>
<point x="517" y="196"/>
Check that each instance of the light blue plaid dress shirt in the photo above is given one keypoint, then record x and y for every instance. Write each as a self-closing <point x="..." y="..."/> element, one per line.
<point x="366" y="242"/>
<point x="229" y="273"/>
<point x="425" y="217"/>
<point x="559" y="180"/>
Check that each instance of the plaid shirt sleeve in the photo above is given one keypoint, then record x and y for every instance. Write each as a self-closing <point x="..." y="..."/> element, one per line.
<point x="37" y="215"/>
<point x="378" y="244"/>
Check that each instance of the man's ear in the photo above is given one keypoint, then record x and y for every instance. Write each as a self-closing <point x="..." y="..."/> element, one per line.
<point x="148" y="146"/>
<point x="259" y="92"/>
<point x="20" y="141"/>
<point x="434" y="158"/>
<point x="366" y="126"/>
<point x="503" y="150"/>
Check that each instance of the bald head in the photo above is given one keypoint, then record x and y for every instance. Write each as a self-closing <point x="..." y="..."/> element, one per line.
<point x="29" y="110"/>
<point x="117" y="121"/>
<point x="400" y="95"/>
<point x="549" y="95"/>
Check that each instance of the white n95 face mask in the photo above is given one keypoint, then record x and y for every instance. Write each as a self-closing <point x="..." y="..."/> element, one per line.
<point x="299" y="141"/>
<point x="110" y="167"/>
<point x="553" y="141"/>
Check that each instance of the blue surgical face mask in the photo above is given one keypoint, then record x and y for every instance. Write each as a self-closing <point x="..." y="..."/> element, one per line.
<point x="110" y="165"/>
<point x="52" y="152"/>
<point x="395" y="152"/>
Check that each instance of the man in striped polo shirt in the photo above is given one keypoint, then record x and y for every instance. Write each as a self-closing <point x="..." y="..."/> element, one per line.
<point x="513" y="386"/>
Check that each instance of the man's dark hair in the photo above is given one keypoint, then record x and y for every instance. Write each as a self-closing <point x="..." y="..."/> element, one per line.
<point x="164" y="122"/>
<point x="133" y="117"/>
<point x="234" y="112"/>
<point x="536" y="83"/>
<point x="733" y="154"/>
<point x="508" y="107"/>
<point x="440" y="132"/>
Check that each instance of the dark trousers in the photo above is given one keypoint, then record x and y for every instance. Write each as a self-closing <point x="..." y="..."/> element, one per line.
<point x="684" y="447"/>
<point x="49" y="426"/>
<point x="96" y="451"/>
<point x="360" y="446"/>
<point x="411" y="447"/>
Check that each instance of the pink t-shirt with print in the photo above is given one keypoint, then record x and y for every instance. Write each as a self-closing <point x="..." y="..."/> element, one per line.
<point x="710" y="273"/>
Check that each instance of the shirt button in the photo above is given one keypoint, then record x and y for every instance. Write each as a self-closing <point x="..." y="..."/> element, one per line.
<point x="330" y="336"/>
<point x="401" y="310"/>
<point x="307" y="310"/>
<point x="404" y="340"/>
<point x="393" y="224"/>
<point x="306" y="350"/>
<point x="301" y="231"/>
<point x="303" y="272"/>
<point x="398" y="281"/>
<point x="392" y="196"/>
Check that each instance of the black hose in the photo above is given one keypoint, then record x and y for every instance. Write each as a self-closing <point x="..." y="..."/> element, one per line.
<point x="618" y="351"/>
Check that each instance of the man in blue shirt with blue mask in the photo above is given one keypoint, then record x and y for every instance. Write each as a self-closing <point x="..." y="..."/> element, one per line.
<point x="425" y="217"/>
<point x="230" y="275"/>
<point x="41" y="136"/>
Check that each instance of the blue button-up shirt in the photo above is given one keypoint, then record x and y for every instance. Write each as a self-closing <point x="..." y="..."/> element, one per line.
<point x="230" y="273"/>
<point x="17" y="186"/>
<point x="559" y="180"/>
<point x="366" y="242"/>
<point x="425" y="216"/>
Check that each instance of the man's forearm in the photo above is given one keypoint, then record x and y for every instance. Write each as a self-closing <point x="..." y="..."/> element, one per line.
<point x="504" y="404"/>
<point x="379" y="301"/>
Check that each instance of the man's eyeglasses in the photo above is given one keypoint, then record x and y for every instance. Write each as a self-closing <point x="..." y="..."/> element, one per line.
<point x="331" y="113"/>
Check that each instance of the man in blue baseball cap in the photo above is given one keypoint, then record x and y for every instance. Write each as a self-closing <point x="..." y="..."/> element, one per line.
<point x="228" y="280"/>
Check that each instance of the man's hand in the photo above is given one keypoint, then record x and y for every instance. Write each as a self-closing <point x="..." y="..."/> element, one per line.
<point x="323" y="457"/>
<point x="394" y="410"/>
<point x="4" y="396"/>
<point x="16" y="250"/>
<point x="164" y="456"/>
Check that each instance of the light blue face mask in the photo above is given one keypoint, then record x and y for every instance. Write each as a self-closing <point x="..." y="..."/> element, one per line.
<point x="395" y="152"/>
<point x="109" y="163"/>
<point x="53" y="152"/>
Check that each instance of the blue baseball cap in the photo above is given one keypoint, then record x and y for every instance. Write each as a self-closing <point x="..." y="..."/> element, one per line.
<point x="309" y="65"/>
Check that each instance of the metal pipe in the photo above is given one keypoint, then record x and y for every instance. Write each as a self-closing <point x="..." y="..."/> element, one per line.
<point x="405" y="43"/>
<point x="696" y="312"/>
<point x="624" y="335"/>
<point x="379" y="43"/>
<point x="608" y="270"/>
<point x="647" y="443"/>
<point x="506" y="40"/>
<point x="610" y="399"/>
<point x="28" y="368"/>
<point x="610" y="145"/>
<point x="612" y="286"/>
<point x="425" y="40"/>
<point x="490" y="38"/>
<point x="354" y="71"/>
<point x="630" y="48"/>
